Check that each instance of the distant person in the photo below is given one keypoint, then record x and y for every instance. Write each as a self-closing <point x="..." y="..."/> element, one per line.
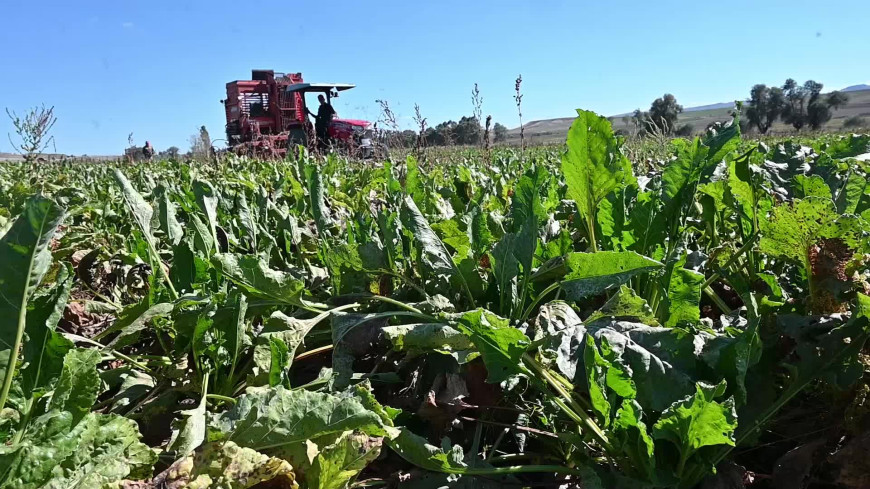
<point x="148" y="151"/>
<point x="325" y="114"/>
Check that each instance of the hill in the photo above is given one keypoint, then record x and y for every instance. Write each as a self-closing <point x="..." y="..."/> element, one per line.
<point x="554" y="130"/>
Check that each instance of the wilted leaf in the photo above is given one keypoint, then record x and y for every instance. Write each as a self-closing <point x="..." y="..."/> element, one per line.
<point x="227" y="466"/>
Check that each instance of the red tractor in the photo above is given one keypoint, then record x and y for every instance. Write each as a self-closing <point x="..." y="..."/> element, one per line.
<point x="268" y="114"/>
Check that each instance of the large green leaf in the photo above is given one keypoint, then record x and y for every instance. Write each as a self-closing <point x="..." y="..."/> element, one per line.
<point x="59" y="454"/>
<point x="44" y="351"/>
<point x="207" y="200"/>
<point x="794" y="227"/>
<point x="589" y="274"/>
<point x="698" y="421"/>
<point x="684" y="296"/>
<point x="280" y="329"/>
<point x="501" y="345"/>
<point x="139" y="208"/>
<point x="24" y="259"/>
<point x="436" y="262"/>
<point x="629" y="434"/>
<point x="650" y="355"/>
<point x="166" y="215"/>
<point x="78" y="386"/>
<point x="606" y="378"/>
<point x="421" y="338"/>
<point x="317" y="199"/>
<point x="269" y="419"/>
<point x="593" y="165"/>
<point x="254" y="275"/>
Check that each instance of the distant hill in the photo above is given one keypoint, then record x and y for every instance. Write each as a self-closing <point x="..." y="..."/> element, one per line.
<point x="721" y="105"/>
<point x="856" y="88"/>
<point x="554" y="130"/>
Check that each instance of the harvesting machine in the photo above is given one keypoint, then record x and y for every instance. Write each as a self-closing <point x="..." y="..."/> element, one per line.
<point x="268" y="114"/>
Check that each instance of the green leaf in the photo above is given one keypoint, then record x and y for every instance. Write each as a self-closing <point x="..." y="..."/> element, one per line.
<point x="139" y="208"/>
<point x="59" y="454"/>
<point x="426" y="337"/>
<point x="698" y="421"/>
<point x="203" y="241"/>
<point x="629" y="434"/>
<point x="268" y="420"/>
<point x="416" y="450"/>
<point x="254" y="275"/>
<point x="317" y="200"/>
<point x="142" y="214"/>
<point x="650" y="355"/>
<point x="188" y="267"/>
<point x="188" y="433"/>
<point x="44" y="351"/>
<point x="134" y="319"/>
<point x="626" y="305"/>
<point x="454" y="237"/>
<point x="500" y="345"/>
<point x="811" y="186"/>
<point x="337" y="464"/>
<point x="227" y="466"/>
<point x="850" y="195"/>
<point x="732" y="357"/>
<point x="279" y="356"/>
<point x="605" y="377"/>
<point x="24" y="259"/>
<point x="78" y="386"/>
<point x="794" y="227"/>
<point x="590" y="274"/>
<point x="435" y="259"/>
<point x="684" y="296"/>
<point x="207" y="199"/>
<point x="593" y="165"/>
<point x="166" y="215"/>
<point x="247" y="221"/>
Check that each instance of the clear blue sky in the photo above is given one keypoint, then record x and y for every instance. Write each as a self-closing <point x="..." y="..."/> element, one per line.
<point x="158" y="68"/>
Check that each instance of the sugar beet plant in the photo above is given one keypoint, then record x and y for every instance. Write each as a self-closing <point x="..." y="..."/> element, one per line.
<point x="537" y="318"/>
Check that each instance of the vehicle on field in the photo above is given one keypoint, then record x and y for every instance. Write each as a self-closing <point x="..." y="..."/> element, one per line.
<point x="267" y="114"/>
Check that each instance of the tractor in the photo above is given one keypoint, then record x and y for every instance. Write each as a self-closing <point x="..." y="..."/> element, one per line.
<point x="267" y="114"/>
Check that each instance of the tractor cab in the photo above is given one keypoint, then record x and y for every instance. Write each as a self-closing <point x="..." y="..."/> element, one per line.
<point x="346" y="131"/>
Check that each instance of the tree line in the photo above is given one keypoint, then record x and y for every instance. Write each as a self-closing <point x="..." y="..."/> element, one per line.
<point x="797" y="105"/>
<point x="467" y="131"/>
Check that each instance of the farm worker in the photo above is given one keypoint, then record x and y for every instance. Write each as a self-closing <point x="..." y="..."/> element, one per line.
<point x="325" y="114"/>
<point x="148" y="150"/>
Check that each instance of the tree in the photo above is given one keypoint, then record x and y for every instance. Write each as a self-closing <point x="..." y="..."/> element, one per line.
<point x="468" y="131"/>
<point x="33" y="131"/>
<point x="797" y="98"/>
<point x="171" y="153"/>
<point x="663" y="113"/>
<point x="500" y="132"/>
<point x="805" y="105"/>
<point x="765" y="106"/>
<point x="854" y="122"/>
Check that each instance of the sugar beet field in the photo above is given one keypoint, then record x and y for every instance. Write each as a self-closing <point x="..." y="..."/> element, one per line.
<point x="547" y="317"/>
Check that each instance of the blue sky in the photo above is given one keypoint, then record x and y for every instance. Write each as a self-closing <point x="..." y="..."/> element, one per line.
<point x="158" y="69"/>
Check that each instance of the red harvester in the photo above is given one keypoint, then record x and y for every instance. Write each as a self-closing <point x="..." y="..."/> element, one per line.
<point x="267" y="114"/>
